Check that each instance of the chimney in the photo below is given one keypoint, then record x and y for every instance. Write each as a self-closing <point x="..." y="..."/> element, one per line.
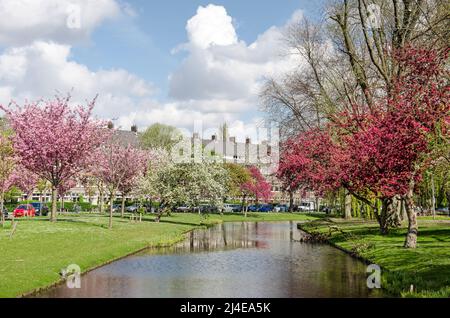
<point x="248" y="141"/>
<point x="110" y="125"/>
<point x="233" y="140"/>
<point x="134" y="129"/>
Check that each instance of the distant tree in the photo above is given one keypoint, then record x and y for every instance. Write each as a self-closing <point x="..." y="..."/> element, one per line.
<point x="147" y="185"/>
<point x="238" y="175"/>
<point x="54" y="140"/>
<point x="288" y="173"/>
<point x="160" y="136"/>
<point x="7" y="164"/>
<point x="134" y="167"/>
<point x="257" y="187"/>
<point x="182" y="183"/>
<point x="114" y="165"/>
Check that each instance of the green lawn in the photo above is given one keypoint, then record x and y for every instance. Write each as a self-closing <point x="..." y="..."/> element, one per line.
<point x="427" y="267"/>
<point x="38" y="250"/>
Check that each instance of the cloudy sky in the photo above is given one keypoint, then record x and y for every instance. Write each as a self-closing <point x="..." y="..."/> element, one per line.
<point x="172" y="61"/>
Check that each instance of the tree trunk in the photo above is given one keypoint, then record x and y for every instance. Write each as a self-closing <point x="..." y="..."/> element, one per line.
<point x="62" y="205"/>
<point x="383" y="217"/>
<point x="122" y="209"/>
<point x="395" y="213"/>
<point x="54" y="204"/>
<point x="100" y="201"/>
<point x="318" y="205"/>
<point x="2" y="199"/>
<point x="291" y="201"/>
<point x="433" y="198"/>
<point x="348" y="206"/>
<point x="243" y="204"/>
<point x="111" y="202"/>
<point x="413" y="228"/>
<point x="448" y="200"/>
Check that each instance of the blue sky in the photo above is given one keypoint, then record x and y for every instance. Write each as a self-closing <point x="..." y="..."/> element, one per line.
<point x="142" y="44"/>
<point x="173" y="61"/>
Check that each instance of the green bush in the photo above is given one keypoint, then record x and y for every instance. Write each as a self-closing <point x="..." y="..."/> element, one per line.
<point x="70" y="206"/>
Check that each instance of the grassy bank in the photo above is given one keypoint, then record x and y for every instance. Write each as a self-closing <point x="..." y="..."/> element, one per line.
<point x="38" y="250"/>
<point x="427" y="268"/>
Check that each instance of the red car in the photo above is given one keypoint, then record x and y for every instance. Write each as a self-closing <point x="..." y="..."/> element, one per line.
<point x="24" y="210"/>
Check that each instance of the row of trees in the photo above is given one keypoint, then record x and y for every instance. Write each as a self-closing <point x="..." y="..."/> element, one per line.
<point x="368" y="111"/>
<point x="192" y="184"/>
<point x="64" y="146"/>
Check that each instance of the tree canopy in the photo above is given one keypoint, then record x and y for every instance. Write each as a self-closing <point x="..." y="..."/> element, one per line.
<point x="160" y="136"/>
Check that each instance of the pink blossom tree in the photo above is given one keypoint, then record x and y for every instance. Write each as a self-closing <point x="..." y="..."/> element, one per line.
<point x="257" y="187"/>
<point x="118" y="167"/>
<point x="7" y="164"/>
<point x="25" y="180"/>
<point x="381" y="154"/>
<point x="133" y="167"/>
<point x="53" y="139"/>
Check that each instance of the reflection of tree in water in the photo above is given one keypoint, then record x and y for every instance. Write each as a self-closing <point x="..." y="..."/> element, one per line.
<point x="226" y="236"/>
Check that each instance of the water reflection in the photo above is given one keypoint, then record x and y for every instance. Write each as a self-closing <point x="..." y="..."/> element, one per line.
<point x="230" y="260"/>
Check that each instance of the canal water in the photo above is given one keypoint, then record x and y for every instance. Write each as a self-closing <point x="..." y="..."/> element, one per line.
<point x="231" y="260"/>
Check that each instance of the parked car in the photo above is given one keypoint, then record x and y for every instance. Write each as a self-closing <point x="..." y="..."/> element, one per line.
<point x="443" y="211"/>
<point x="266" y="208"/>
<point x="326" y="209"/>
<point x="260" y="208"/>
<point x="149" y="208"/>
<point x="281" y="208"/>
<point x="24" y="210"/>
<point x="116" y="208"/>
<point x="207" y="208"/>
<point x="132" y="208"/>
<point x="237" y="208"/>
<point x="232" y="208"/>
<point x="183" y="209"/>
<point x="228" y="208"/>
<point x="306" y="207"/>
<point x="40" y="208"/>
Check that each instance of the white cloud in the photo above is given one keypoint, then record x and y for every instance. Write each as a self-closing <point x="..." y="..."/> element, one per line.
<point x="64" y="21"/>
<point x="228" y="75"/>
<point x="41" y="69"/>
<point x="211" y="26"/>
<point x="175" y="114"/>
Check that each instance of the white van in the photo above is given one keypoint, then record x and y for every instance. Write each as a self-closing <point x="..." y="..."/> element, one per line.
<point x="306" y="206"/>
